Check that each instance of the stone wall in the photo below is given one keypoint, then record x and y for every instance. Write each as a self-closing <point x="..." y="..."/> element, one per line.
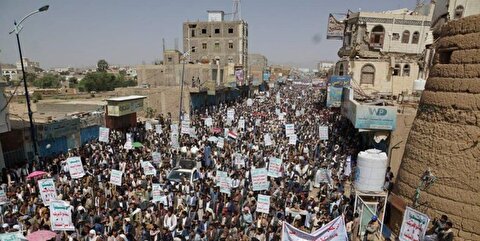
<point x="446" y="132"/>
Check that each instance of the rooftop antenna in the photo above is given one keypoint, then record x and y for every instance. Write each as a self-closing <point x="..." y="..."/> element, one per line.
<point x="236" y="10"/>
<point x="163" y="44"/>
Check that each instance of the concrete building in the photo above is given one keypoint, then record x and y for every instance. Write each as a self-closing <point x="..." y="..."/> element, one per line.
<point x="257" y="65"/>
<point x="446" y="10"/>
<point x="217" y="40"/>
<point x="382" y="51"/>
<point x="10" y="72"/>
<point x="30" y="66"/>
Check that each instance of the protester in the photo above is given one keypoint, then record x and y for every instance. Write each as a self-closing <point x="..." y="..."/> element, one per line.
<point x="308" y="192"/>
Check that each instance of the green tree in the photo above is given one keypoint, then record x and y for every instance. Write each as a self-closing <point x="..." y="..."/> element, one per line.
<point x="48" y="81"/>
<point x="102" y="65"/>
<point x="72" y="82"/>
<point x="103" y="81"/>
<point x="31" y="77"/>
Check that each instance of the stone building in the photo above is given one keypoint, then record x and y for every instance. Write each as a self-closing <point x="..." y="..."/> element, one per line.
<point x="382" y="51"/>
<point x="445" y="134"/>
<point x="257" y="65"/>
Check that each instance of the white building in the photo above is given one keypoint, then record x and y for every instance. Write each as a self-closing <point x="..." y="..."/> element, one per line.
<point x="382" y="51"/>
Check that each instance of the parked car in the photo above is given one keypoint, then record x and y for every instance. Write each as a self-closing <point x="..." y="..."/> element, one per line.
<point x="185" y="170"/>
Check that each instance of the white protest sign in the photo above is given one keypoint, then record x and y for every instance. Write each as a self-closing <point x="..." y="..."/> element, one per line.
<point x="156" y="192"/>
<point x="277" y="111"/>
<point x="241" y="123"/>
<point x="208" y="122"/>
<point x="174" y="128"/>
<point x="289" y="129"/>
<point x="332" y="231"/>
<point x="281" y="116"/>
<point x="174" y="140"/>
<point x="12" y="236"/>
<point x="275" y="167"/>
<point x="185" y="127"/>
<point x="224" y="182"/>
<point x="259" y="179"/>
<point x="263" y="204"/>
<point x="268" y="92"/>
<point x="156" y="157"/>
<point x="158" y="129"/>
<point x="61" y="216"/>
<point x="292" y="140"/>
<point x="277" y="98"/>
<point x="103" y="134"/>
<point x="186" y="117"/>
<point x="258" y="122"/>
<point x="220" y="142"/>
<point x="148" y="168"/>
<point x="75" y="167"/>
<point x="148" y="126"/>
<point x="414" y="225"/>
<point x="129" y="142"/>
<point x="293" y="106"/>
<point x="249" y="102"/>
<point x="267" y="140"/>
<point x="297" y="113"/>
<point x="323" y="132"/>
<point x="348" y="166"/>
<point x="322" y="176"/>
<point x="116" y="177"/>
<point x="3" y="197"/>
<point x="239" y="160"/>
<point x="230" y="114"/>
<point x="47" y="191"/>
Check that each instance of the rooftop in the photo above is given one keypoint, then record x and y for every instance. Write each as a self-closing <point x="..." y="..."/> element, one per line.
<point x="126" y="98"/>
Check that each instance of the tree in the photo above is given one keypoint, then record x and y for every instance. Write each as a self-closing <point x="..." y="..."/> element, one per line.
<point x="103" y="81"/>
<point x="72" y="82"/>
<point x="48" y="81"/>
<point x="102" y="65"/>
<point x="31" y="77"/>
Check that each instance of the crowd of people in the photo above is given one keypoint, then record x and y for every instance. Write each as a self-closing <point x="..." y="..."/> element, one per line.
<point x="198" y="210"/>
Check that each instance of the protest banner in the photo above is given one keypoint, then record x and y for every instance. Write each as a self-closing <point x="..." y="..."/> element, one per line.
<point x="322" y="176"/>
<point x="277" y="111"/>
<point x="186" y="117"/>
<point x="281" y="116"/>
<point x="275" y="167"/>
<point x="116" y="177"/>
<point x="47" y="190"/>
<point x="348" y="166"/>
<point x="148" y="168"/>
<point x="333" y="231"/>
<point x="241" y="123"/>
<point x="174" y="140"/>
<point x="323" y="132"/>
<point x="148" y="126"/>
<point x="297" y="113"/>
<point x="292" y="140"/>
<point x="263" y="203"/>
<point x="61" y="216"/>
<point x="103" y="134"/>
<point x="267" y="140"/>
<point x="12" y="236"/>
<point x="294" y="106"/>
<point x="230" y="114"/>
<point x="249" y="102"/>
<point x="174" y="128"/>
<point x="185" y="127"/>
<point x="158" y="129"/>
<point x="289" y="129"/>
<point x="129" y="142"/>
<point x="209" y="122"/>
<point x="220" y="142"/>
<point x="259" y="179"/>
<point x="224" y="182"/>
<point x="75" y="167"/>
<point x="277" y="98"/>
<point x="239" y="160"/>
<point x="3" y="197"/>
<point x="156" y="157"/>
<point x="414" y="225"/>
<point x="156" y="192"/>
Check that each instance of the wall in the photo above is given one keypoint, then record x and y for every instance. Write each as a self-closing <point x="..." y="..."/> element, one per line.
<point x="383" y="78"/>
<point x="171" y="75"/>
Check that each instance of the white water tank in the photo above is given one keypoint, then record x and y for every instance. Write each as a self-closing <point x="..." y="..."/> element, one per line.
<point x="370" y="171"/>
<point x="419" y="85"/>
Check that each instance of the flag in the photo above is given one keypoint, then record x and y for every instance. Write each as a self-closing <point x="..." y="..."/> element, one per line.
<point x="232" y="134"/>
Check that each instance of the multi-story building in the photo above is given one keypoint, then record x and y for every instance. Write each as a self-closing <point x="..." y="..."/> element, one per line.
<point x="30" y="66"/>
<point x="257" y="65"/>
<point x="382" y="51"/>
<point x="217" y="40"/>
<point x="10" y="72"/>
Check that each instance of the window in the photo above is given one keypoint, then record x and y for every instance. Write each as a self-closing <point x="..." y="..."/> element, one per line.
<point x="204" y="31"/>
<point x="192" y="33"/>
<point x="376" y="36"/>
<point x="217" y="45"/>
<point x="230" y="45"/>
<point x="230" y="59"/>
<point x="217" y="30"/>
<point x="459" y="12"/>
<point x="415" y="37"/>
<point x="396" y="36"/>
<point x="341" y="71"/>
<point x="405" y="37"/>
<point x="230" y="30"/>
<point x="406" y="70"/>
<point x="396" y="70"/>
<point x="193" y="49"/>
<point x="368" y="74"/>
<point x="204" y="45"/>
<point x="169" y="59"/>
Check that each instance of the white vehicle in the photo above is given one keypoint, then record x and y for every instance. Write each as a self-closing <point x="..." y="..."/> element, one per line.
<point x="185" y="170"/>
